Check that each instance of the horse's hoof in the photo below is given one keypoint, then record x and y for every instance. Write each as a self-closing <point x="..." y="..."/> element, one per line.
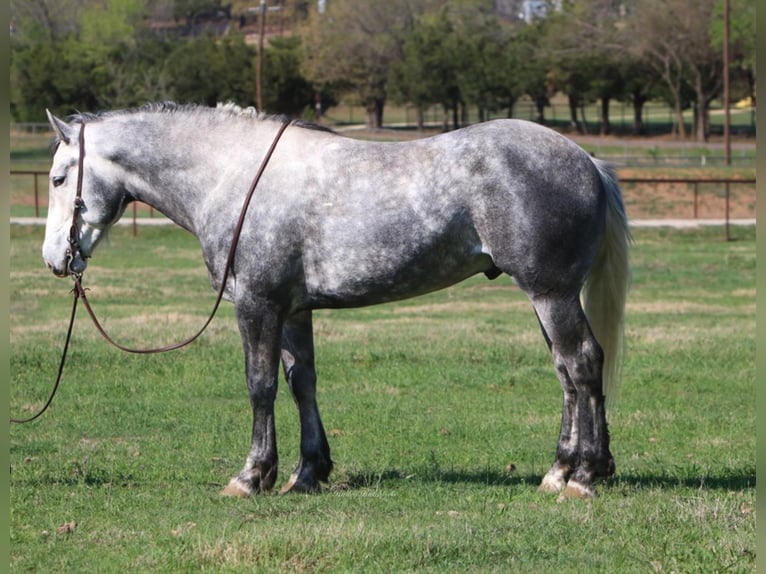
<point x="235" y="488"/>
<point x="552" y="483"/>
<point x="576" y="491"/>
<point x="295" y="485"/>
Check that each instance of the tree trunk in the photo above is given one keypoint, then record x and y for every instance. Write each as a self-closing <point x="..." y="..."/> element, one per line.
<point x="573" y="112"/>
<point x="455" y="114"/>
<point x="680" y="130"/>
<point x="374" y="113"/>
<point x="702" y="117"/>
<point x="379" y="105"/>
<point x="638" y="116"/>
<point x="369" y="112"/>
<point x="584" y="124"/>
<point x="606" y="126"/>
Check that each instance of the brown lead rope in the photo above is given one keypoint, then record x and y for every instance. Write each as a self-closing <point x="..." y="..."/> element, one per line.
<point x="61" y="367"/>
<point x="79" y="291"/>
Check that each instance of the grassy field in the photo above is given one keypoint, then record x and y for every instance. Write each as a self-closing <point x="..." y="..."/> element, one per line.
<point x="442" y="413"/>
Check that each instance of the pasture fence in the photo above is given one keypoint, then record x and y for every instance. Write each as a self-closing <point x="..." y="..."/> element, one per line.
<point x="699" y="186"/>
<point x="695" y="183"/>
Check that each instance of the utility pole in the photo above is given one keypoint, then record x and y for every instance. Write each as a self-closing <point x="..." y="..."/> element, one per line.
<point x="726" y="95"/>
<point x="259" y="74"/>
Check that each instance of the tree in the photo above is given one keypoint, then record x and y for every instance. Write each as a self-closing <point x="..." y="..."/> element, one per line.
<point x="640" y="86"/>
<point x="193" y="71"/>
<point x="427" y="71"/>
<point x="531" y="65"/>
<point x="673" y="36"/>
<point x="484" y="77"/>
<point x="285" y="90"/>
<point x="742" y="42"/>
<point x="353" y="45"/>
<point x="36" y="21"/>
<point x="108" y="44"/>
<point x="34" y="76"/>
<point x="571" y="67"/>
<point x="585" y="53"/>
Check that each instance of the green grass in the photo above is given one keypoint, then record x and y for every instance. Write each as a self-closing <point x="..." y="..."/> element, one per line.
<point x="426" y="403"/>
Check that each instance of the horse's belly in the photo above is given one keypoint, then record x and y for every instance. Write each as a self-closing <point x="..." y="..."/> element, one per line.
<point x="358" y="281"/>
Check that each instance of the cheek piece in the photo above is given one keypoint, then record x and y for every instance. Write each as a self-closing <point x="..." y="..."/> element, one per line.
<point x="75" y="257"/>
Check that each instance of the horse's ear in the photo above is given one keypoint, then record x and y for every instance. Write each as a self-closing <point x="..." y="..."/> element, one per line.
<point x="61" y="128"/>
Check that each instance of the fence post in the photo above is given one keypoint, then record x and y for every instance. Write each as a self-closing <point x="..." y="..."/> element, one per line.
<point x="37" y="198"/>
<point x="728" y="237"/>
<point x="696" y="196"/>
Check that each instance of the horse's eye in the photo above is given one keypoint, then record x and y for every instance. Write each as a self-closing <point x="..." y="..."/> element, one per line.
<point x="58" y="180"/>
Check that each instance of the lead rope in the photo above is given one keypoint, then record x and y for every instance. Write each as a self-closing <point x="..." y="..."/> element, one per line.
<point x="79" y="291"/>
<point x="61" y="367"/>
<point x="73" y="246"/>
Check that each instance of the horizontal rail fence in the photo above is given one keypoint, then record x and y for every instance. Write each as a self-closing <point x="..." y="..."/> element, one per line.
<point x="695" y="184"/>
<point x="36" y="174"/>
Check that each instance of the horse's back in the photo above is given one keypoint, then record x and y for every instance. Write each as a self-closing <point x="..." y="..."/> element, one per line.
<point x="383" y="221"/>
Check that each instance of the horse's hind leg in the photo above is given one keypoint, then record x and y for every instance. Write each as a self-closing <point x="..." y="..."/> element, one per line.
<point x="568" y="450"/>
<point x="298" y="362"/>
<point x="582" y="456"/>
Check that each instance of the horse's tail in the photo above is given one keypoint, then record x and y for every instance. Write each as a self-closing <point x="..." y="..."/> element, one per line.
<point x="606" y="288"/>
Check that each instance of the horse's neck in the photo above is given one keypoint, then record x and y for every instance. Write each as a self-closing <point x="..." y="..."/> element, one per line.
<point x="179" y="164"/>
<point x="174" y="175"/>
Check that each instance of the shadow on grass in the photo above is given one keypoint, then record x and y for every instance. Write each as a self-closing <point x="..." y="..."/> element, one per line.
<point x="84" y="474"/>
<point x="731" y="480"/>
<point x="739" y="479"/>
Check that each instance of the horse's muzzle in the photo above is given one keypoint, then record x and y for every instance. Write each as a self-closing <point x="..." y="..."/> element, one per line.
<point x="77" y="264"/>
<point x="72" y="265"/>
<point x="57" y="271"/>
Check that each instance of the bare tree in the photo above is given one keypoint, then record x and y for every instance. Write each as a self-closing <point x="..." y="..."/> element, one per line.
<point x="673" y="37"/>
<point x="45" y="20"/>
<point x="353" y="45"/>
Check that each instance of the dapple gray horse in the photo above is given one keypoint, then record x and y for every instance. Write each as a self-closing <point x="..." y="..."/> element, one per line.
<point x="337" y="222"/>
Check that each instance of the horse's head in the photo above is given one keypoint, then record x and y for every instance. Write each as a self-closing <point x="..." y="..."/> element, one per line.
<point x="102" y="199"/>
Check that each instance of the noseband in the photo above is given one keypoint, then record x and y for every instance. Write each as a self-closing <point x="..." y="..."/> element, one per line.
<point x="79" y="291"/>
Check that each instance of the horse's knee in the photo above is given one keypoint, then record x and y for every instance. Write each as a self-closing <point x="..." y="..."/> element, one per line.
<point x="262" y="392"/>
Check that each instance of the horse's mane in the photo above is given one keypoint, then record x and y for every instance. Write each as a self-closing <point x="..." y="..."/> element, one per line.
<point x="224" y="110"/>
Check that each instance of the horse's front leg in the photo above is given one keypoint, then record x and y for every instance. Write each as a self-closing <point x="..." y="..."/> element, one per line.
<point x="298" y="362"/>
<point x="260" y="326"/>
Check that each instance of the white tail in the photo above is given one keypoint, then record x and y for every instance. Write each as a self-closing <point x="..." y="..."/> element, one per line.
<point x="606" y="288"/>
